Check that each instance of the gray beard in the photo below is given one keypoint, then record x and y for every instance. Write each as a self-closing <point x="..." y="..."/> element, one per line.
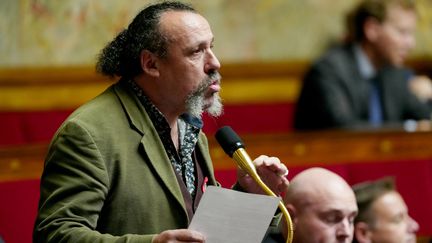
<point x="195" y="102"/>
<point x="195" y="105"/>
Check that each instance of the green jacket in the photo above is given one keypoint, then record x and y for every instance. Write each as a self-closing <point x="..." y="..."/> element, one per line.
<point x="107" y="177"/>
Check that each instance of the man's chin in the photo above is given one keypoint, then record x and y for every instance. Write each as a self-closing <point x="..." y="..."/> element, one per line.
<point x="197" y="105"/>
<point x="399" y="62"/>
<point x="214" y="107"/>
<point x="412" y="239"/>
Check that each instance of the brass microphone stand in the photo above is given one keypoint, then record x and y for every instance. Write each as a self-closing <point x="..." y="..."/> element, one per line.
<point x="245" y="163"/>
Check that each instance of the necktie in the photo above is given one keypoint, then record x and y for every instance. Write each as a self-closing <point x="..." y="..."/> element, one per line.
<point x="375" y="107"/>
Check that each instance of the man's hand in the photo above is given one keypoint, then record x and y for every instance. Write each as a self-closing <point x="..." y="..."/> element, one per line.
<point x="272" y="172"/>
<point x="179" y="235"/>
<point x="421" y="86"/>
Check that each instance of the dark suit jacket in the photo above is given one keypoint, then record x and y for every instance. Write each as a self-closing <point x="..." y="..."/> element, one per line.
<point x="335" y="95"/>
<point x="107" y="177"/>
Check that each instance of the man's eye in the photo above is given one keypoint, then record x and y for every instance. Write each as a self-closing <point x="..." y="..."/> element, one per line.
<point x="351" y="220"/>
<point x="332" y="218"/>
<point x="398" y="218"/>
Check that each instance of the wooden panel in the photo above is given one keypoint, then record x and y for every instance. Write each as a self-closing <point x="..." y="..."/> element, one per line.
<point x="294" y="149"/>
<point x="22" y="162"/>
<point x="67" y="87"/>
<point x="332" y="147"/>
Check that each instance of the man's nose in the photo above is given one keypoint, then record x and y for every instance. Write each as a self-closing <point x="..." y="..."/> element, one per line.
<point x="410" y="41"/>
<point x="212" y="62"/>
<point x="344" y="230"/>
<point x="413" y="226"/>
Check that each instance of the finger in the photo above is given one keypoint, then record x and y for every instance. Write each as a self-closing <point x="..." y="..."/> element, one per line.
<point x="283" y="187"/>
<point x="275" y="165"/>
<point x="190" y="236"/>
<point x="283" y="170"/>
<point x="260" y="160"/>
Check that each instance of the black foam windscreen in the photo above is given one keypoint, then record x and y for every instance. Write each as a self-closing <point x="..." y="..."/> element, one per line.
<point x="228" y="140"/>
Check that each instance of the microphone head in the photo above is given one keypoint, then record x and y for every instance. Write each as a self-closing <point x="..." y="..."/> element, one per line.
<point x="228" y="140"/>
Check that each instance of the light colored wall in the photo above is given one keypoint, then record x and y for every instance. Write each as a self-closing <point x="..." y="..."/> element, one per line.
<point x="72" y="32"/>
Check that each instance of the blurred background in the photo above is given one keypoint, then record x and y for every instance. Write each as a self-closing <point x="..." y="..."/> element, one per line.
<point x="48" y="51"/>
<point x="63" y="33"/>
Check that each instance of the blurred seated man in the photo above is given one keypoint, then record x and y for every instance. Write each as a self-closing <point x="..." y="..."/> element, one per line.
<point x="383" y="215"/>
<point x="362" y="83"/>
<point x="322" y="207"/>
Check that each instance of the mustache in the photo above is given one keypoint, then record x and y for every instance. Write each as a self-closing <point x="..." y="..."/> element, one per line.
<point x="209" y="80"/>
<point x="212" y="77"/>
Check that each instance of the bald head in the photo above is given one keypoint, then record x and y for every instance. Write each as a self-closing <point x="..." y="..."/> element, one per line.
<point x="314" y="183"/>
<point x="322" y="205"/>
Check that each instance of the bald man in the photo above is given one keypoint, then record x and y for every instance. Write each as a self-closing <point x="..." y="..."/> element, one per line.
<point x="322" y="207"/>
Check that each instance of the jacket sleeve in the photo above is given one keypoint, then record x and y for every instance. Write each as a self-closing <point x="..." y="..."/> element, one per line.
<point x="74" y="186"/>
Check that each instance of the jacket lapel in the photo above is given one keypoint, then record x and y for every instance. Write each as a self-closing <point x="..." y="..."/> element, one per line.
<point x="150" y="143"/>
<point x="208" y="166"/>
<point x="358" y="87"/>
<point x="153" y="148"/>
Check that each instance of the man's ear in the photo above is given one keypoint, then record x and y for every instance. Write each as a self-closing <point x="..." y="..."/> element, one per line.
<point x="149" y="63"/>
<point x="362" y="232"/>
<point x="293" y="213"/>
<point x="371" y="29"/>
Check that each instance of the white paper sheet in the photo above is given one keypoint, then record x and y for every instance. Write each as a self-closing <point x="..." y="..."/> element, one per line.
<point x="230" y="216"/>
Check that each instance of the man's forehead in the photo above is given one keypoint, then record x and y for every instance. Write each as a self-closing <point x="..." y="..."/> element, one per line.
<point x="327" y="203"/>
<point x="394" y="13"/>
<point x="182" y="20"/>
<point x="391" y="201"/>
<point x="185" y="26"/>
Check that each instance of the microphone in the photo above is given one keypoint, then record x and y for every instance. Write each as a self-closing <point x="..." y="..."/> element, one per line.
<point x="235" y="148"/>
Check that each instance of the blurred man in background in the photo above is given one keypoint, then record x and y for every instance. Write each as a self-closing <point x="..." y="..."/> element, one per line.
<point x="363" y="83"/>
<point x="383" y="215"/>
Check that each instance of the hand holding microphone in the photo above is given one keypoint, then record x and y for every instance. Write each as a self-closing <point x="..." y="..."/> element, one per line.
<point x="271" y="171"/>
<point x="269" y="167"/>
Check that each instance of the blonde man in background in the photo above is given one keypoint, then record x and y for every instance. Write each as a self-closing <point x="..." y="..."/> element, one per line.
<point x="383" y="215"/>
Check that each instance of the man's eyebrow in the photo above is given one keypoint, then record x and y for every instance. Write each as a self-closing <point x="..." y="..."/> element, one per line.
<point x="340" y="211"/>
<point x="200" y="44"/>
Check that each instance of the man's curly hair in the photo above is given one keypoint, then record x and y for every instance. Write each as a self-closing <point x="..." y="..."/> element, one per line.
<point x="121" y="57"/>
